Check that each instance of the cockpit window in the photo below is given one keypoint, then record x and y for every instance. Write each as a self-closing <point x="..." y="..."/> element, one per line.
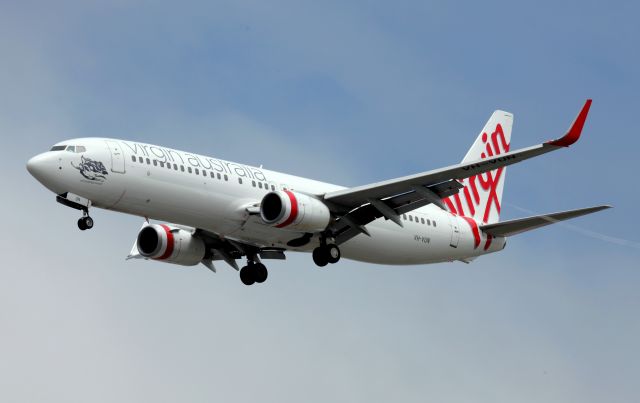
<point x="71" y="149"/>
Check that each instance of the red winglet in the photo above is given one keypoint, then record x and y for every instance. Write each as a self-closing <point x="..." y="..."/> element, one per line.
<point x="576" y="128"/>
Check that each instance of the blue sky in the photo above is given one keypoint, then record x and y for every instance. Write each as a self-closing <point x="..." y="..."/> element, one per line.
<point x="350" y="93"/>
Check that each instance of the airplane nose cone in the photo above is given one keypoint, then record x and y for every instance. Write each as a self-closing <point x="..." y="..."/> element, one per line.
<point x="43" y="168"/>
<point x="47" y="170"/>
<point x="37" y="166"/>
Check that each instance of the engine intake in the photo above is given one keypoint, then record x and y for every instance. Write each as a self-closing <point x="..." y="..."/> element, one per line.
<point x="170" y="244"/>
<point x="294" y="211"/>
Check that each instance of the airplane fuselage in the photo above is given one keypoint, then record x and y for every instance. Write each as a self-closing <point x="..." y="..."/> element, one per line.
<point x="220" y="196"/>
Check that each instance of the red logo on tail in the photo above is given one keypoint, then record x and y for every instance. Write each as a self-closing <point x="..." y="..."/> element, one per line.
<point x="496" y="144"/>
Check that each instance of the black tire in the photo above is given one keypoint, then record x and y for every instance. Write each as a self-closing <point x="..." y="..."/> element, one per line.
<point x="320" y="256"/>
<point x="333" y="253"/>
<point x="88" y="222"/>
<point x="81" y="224"/>
<point x="261" y="273"/>
<point x="247" y="275"/>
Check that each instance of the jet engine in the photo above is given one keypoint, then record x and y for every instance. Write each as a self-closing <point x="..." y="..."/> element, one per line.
<point x="294" y="211"/>
<point x="171" y="245"/>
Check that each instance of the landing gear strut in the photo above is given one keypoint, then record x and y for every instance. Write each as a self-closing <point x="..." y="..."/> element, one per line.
<point x="79" y="203"/>
<point x="325" y="254"/>
<point x="253" y="272"/>
<point x="85" y="222"/>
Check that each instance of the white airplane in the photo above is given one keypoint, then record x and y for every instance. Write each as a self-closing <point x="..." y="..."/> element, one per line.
<point x="224" y="211"/>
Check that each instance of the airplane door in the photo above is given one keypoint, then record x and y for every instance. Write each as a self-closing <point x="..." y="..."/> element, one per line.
<point x="455" y="231"/>
<point x="117" y="157"/>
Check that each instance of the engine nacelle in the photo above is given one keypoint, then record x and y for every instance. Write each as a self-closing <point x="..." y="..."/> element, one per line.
<point x="294" y="211"/>
<point x="171" y="245"/>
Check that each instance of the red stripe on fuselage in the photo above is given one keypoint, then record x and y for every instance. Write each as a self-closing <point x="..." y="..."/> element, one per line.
<point x="170" y="241"/>
<point x="474" y="229"/>
<point x="487" y="245"/>
<point x="294" y="210"/>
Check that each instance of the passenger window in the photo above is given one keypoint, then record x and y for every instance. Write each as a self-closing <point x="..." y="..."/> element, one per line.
<point x="273" y="188"/>
<point x="140" y="160"/>
<point x="212" y="175"/>
<point x="82" y="149"/>
<point x="204" y="173"/>
<point x="197" y="171"/>
<point x="58" y="148"/>
<point x="253" y="183"/>
<point x="219" y="177"/>
<point x="189" y="169"/>
<point x="410" y="218"/>
<point x="240" y="181"/>
<point x="404" y="217"/>
<point x="226" y="177"/>
<point x="168" y="165"/>
<point x="434" y="223"/>
<point x="133" y="158"/>
<point x="422" y="220"/>
<point x="148" y="161"/>
<point x="161" y="164"/>
<point x="71" y="149"/>
<point x="182" y="168"/>
<point x="260" y="185"/>
<point x="175" y="167"/>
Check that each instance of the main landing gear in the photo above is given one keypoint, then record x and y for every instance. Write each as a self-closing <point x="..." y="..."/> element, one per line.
<point x="253" y="272"/>
<point x="325" y="254"/>
<point x="85" y="222"/>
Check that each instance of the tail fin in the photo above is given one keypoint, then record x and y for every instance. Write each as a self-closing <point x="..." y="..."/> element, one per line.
<point x="481" y="196"/>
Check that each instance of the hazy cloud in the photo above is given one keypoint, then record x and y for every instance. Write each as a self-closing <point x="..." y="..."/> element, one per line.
<point x="348" y="93"/>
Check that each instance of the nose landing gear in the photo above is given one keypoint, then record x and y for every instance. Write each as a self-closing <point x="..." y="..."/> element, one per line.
<point x="85" y="222"/>
<point x="79" y="203"/>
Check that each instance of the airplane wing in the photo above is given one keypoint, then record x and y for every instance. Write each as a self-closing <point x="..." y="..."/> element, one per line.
<point x="229" y="249"/>
<point x="357" y="196"/>
<point x="513" y="227"/>
<point x="362" y="204"/>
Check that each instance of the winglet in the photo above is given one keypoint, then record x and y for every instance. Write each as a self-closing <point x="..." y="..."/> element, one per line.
<point x="575" y="130"/>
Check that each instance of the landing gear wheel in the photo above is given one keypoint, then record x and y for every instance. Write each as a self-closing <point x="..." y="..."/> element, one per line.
<point x="85" y="223"/>
<point x="88" y="222"/>
<point x="333" y="253"/>
<point x="320" y="256"/>
<point x="247" y="275"/>
<point x="260" y="272"/>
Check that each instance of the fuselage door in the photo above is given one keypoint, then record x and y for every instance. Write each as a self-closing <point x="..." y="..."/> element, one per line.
<point x="455" y="231"/>
<point x="117" y="157"/>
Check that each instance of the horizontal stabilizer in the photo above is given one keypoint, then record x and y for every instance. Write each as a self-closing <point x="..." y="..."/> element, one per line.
<point x="514" y="227"/>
